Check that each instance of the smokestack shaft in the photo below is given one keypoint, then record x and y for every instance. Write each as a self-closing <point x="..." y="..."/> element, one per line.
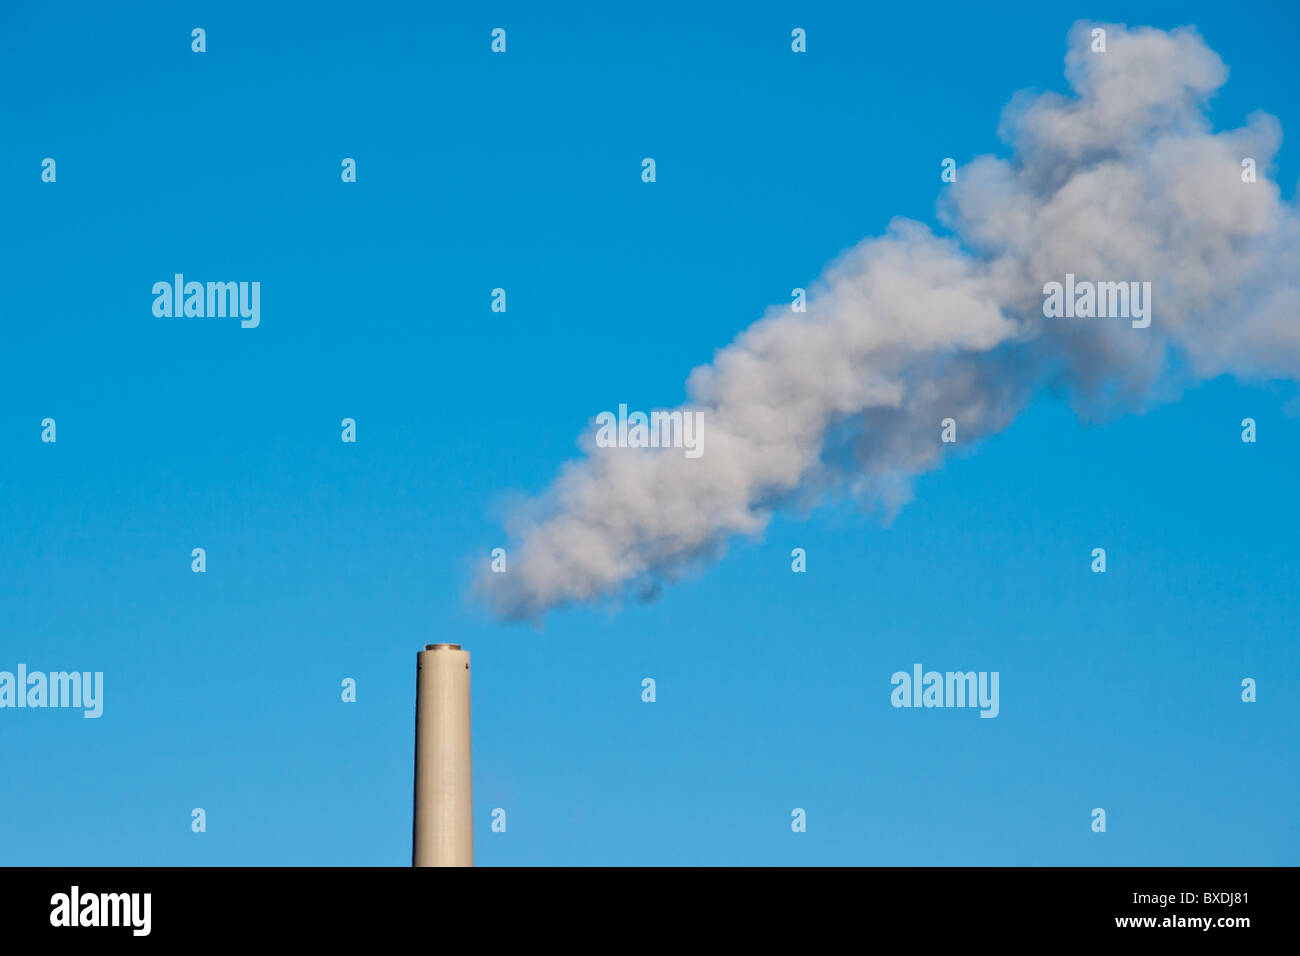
<point x="443" y="833"/>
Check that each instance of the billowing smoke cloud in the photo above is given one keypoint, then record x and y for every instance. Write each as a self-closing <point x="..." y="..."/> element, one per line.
<point x="1122" y="180"/>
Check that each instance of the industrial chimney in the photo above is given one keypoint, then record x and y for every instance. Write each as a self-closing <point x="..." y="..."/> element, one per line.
<point x="443" y="834"/>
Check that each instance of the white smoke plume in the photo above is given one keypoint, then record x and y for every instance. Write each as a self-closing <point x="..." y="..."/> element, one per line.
<point x="1122" y="180"/>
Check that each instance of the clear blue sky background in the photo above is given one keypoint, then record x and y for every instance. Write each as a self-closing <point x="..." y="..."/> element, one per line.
<point x="328" y="560"/>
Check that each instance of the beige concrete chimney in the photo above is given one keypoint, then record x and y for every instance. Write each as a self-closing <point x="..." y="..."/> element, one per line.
<point x="443" y="834"/>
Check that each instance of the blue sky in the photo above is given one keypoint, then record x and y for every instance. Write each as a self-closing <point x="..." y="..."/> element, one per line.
<point x="328" y="560"/>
